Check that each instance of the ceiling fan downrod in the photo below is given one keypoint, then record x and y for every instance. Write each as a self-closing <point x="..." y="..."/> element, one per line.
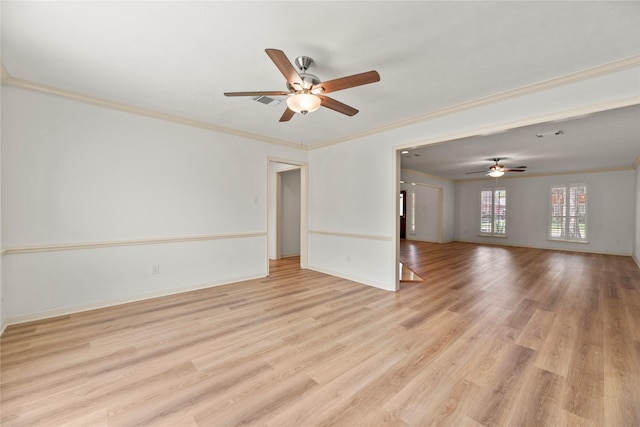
<point x="303" y="63"/>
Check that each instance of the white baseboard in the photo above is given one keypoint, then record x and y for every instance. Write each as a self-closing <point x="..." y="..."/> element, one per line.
<point x="111" y="303"/>
<point x="580" y="249"/>
<point x="360" y="280"/>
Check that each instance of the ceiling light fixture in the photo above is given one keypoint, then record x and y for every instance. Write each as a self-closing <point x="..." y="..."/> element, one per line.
<point x="496" y="172"/>
<point x="303" y="103"/>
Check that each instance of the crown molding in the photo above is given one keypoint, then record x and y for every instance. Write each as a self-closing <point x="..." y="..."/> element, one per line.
<point x="8" y="80"/>
<point x="601" y="70"/>
<point x="504" y="127"/>
<point x="597" y="71"/>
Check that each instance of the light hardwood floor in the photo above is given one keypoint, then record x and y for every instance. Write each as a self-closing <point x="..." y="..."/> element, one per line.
<point x="493" y="336"/>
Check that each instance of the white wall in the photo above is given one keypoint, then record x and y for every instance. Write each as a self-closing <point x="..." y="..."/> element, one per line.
<point x="427" y="213"/>
<point x="290" y="211"/>
<point x="140" y="191"/>
<point x="353" y="233"/>
<point x="426" y="187"/>
<point x="636" y="242"/>
<point x="76" y="173"/>
<point x="610" y="211"/>
<point x="2" y="317"/>
<point x="352" y="212"/>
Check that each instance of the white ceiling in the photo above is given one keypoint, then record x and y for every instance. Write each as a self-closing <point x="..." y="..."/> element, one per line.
<point x="607" y="140"/>
<point x="178" y="58"/>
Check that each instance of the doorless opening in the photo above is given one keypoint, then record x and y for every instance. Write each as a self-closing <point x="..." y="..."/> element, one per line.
<point x="287" y="210"/>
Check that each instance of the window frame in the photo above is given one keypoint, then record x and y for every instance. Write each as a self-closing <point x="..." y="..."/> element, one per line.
<point x="568" y="219"/>
<point x="492" y="217"/>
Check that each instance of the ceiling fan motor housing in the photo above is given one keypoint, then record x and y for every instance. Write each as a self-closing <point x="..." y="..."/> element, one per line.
<point x="308" y="81"/>
<point x="303" y="63"/>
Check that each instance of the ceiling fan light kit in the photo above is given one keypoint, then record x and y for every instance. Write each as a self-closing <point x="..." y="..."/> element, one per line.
<point x="496" y="172"/>
<point x="306" y="91"/>
<point x="303" y="103"/>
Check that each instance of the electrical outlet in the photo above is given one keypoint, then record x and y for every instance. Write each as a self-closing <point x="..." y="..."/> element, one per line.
<point x="155" y="269"/>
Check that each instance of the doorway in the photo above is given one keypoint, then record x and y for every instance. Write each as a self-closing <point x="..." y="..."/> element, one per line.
<point x="288" y="214"/>
<point x="420" y="213"/>
<point x="287" y="211"/>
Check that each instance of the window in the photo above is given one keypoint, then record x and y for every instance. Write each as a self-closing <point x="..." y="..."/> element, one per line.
<point x="493" y="212"/>
<point x="568" y="213"/>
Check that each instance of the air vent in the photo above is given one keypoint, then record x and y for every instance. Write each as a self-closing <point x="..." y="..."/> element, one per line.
<point x="267" y="100"/>
<point x="550" y="133"/>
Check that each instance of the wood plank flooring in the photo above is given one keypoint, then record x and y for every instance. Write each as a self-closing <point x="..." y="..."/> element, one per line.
<point x="407" y="275"/>
<point x="492" y="336"/>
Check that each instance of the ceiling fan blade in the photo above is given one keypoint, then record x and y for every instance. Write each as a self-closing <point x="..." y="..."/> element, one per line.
<point x="262" y="93"/>
<point x="349" y="81"/>
<point x="468" y="173"/>
<point x="284" y="65"/>
<point x="287" y="115"/>
<point x="514" y="170"/>
<point x="337" y="106"/>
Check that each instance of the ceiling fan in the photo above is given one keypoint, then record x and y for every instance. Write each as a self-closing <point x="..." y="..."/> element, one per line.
<point x="497" y="170"/>
<point x="306" y="91"/>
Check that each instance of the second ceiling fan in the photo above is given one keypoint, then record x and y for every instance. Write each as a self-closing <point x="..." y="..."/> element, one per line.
<point x="498" y="170"/>
<point x="306" y="91"/>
